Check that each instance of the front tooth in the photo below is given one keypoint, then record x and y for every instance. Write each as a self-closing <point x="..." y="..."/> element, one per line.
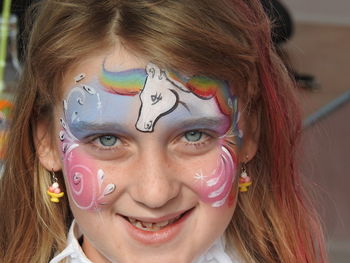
<point x="138" y="224"/>
<point x="156" y="228"/>
<point x="146" y="224"/>
<point x="161" y="224"/>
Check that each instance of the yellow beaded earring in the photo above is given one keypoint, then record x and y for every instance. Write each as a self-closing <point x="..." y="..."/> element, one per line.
<point x="54" y="190"/>
<point x="244" y="180"/>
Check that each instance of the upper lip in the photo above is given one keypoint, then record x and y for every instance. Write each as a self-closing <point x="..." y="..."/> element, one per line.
<point x="158" y="219"/>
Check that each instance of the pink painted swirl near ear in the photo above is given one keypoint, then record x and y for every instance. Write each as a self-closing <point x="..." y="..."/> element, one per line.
<point x="217" y="188"/>
<point x="82" y="183"/>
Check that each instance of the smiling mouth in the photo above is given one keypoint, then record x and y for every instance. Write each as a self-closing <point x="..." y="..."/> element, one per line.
<point x="154" y="226"/>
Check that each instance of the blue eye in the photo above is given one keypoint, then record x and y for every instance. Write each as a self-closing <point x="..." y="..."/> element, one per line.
<point x="193" y="136"/>
<point x="108" y="140"/>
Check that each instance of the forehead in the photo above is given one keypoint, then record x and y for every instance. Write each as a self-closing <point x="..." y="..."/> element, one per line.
<point x="109" y="95"/>
<point x="115" y="59"/>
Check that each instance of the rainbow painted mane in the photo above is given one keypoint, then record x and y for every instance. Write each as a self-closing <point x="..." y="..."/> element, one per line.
<point x="127" y="83"/>
<point x="206" y="88"/>
<point x="131" y="82"/>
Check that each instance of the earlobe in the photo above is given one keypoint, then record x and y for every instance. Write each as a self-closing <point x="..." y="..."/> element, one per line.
<point x="248" y="150"/>
<point x="45" y="147"/>
<point x="251" y="133"/>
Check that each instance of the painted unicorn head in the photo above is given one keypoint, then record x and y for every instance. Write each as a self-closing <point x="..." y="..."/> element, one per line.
<point x="158" y="98"/>
<point x="161" y="91"/>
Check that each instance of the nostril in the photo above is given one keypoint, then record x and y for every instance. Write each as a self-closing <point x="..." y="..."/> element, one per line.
<point x="148" y="125"/>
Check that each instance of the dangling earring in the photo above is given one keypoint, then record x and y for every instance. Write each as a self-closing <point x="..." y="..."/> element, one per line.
<point x="54" y="190"/>
<point x="244" y="179"/>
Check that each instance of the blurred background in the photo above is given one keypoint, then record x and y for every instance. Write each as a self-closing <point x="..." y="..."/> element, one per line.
<point x="313" y="37"/>
<point x="320" y="46"/>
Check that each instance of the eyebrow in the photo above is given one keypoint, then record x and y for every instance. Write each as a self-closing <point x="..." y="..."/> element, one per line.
<point x="205" y="122"/>
<point x="84" y="126"/>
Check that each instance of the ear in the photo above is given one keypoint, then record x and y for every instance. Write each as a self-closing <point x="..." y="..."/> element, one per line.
<point x="250" y="125"/>
<point x="152" y="70"/>
<point x="46" y="148"/>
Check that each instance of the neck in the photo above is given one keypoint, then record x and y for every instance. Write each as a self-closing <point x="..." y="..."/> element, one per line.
<point x="91" y="253"/>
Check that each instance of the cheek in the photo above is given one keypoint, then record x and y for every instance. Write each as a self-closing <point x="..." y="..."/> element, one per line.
<point x="81" y="179"/>
<point x="215" y="183"/>
<point x="85" y="180"/>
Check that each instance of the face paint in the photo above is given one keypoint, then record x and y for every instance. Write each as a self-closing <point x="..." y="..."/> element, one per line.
<point x="128" y="83"/>
<point x="80" y="77"/>
<point x="108" y="105"/>
<point x="164" y="91"/>
<point x="205" y="88"/>
<point x="85" y="181"/>
<point x="216" y="187"/>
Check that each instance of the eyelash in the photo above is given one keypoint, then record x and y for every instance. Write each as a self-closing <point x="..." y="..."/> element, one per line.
<point x="94" y="141"/>
<point x="203" y="141"/>
<point x="205" y="137"/>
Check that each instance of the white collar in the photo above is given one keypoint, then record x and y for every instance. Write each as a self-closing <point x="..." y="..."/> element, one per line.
<point x="73" y="253"/>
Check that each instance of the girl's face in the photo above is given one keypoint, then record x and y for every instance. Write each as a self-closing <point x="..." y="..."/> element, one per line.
<point x="149" y="171"/>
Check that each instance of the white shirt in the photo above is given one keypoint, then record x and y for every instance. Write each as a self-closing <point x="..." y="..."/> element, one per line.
<point x="73" y="253"/>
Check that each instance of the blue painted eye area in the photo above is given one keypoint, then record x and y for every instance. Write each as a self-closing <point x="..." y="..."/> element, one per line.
<point x="108" y="140"/>
<point x="193" y="136"/>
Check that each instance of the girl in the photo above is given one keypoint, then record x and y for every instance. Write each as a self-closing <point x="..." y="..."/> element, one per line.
<point x="156" y="131"/>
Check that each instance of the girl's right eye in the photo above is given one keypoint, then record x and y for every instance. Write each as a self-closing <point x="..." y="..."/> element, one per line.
<point x="106" y="146"/>
<point x="107" y="142"/>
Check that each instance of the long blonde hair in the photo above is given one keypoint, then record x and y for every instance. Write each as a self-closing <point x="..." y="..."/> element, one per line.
<point x="225" y="39"/>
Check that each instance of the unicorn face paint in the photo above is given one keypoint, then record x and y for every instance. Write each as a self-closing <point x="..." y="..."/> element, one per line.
<point x="151" y="151"/>
<point x="86" y="112"/>
<point x="85" y="181"/>
<point x="161" y="91"/>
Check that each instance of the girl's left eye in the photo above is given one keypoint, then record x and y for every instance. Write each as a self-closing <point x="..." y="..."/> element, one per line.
<point x="197" y="138"/>
<point x="194" y="142"/>
<point x="193" y="136"/>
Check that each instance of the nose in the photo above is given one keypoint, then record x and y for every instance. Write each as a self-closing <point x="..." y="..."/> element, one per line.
<point x="155" y="183"/>
<point x="144" y="126"/>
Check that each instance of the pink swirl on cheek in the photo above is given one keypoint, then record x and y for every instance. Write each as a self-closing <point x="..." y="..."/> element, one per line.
<point x="217" y="188"/>
<point x="81" y="179"/>
<point x="77" y="178"/>
<point x="83" y="186"/>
